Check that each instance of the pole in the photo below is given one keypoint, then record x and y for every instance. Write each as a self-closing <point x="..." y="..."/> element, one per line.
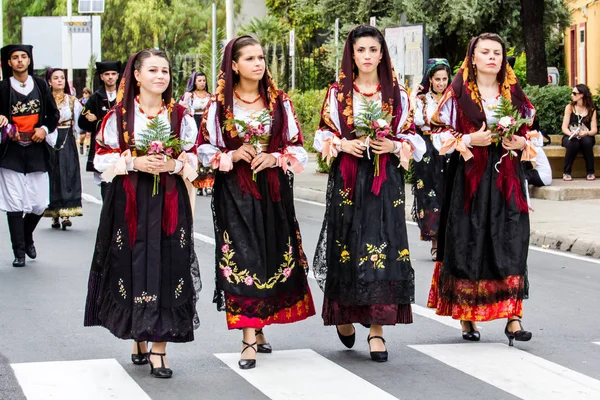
<point x="70" y="42"/>
<point x="92" y="46"/>
<point x="229" y="19"/>
<point x="293" y="55"/>
<point x="337" y="39"/>
<point x="213" y="81"/>
<point x="1" y="24"/>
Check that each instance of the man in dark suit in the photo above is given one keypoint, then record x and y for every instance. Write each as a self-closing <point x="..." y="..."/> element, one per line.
<point x="96" y="109"/>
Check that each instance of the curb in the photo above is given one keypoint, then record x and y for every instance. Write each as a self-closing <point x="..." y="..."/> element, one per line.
<point x="545" y="240"/>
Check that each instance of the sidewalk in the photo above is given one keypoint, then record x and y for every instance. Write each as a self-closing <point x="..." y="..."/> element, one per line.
<point x="572" y="226"/>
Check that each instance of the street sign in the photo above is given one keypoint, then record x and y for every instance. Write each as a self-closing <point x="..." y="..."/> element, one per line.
<point x="91" y="6"/>
<point x="78" y="27"/>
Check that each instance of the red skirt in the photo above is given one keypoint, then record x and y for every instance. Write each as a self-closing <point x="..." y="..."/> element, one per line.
<point x="377" y="314"/>
<point x="301" y="310"/>
<point x="462" y="299"/>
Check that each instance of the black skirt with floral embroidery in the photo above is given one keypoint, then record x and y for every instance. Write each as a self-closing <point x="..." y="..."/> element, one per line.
<point x="362" y="260"/>
<point x="428" y="189"/>
<point x="260" y="263"/>
<point x="146" y="291"/>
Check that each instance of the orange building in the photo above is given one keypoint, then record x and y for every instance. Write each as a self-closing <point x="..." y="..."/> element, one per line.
<point x="582" y="41"/>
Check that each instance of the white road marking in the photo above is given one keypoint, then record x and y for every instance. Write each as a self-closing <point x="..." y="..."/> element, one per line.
<point x="430" y="313"/>
<point x="598" y="343"/>
<point x="204" y="238"/>
<point x="319" y="378"/>
<point x="76" y="380"/>
<point x="514" y="371"/>
<point x="314" y="203"/>
<point x="91" y="199"/>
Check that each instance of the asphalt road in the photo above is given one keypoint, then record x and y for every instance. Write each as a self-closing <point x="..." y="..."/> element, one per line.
<point x="54" y="356"/>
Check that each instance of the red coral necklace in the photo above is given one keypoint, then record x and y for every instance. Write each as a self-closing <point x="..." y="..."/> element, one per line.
<point x="162" y="107"/>
<point x="246" y="101"/>
<point x="377" y="89"/>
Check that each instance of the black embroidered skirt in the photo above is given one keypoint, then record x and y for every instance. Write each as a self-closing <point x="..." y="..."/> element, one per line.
<point x="260" y="264"/>
<point x="146" y="290"/>
<point x="362" y="260"/>
<point x="65" y="177"/>
<point x="428" y="189"/>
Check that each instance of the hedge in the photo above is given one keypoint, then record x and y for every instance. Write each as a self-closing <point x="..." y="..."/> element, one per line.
<point x="308" y="109"/>
<point x="550" y="102"/>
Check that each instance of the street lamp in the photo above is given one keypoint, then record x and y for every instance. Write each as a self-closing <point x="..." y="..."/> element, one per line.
<point x="91" y="7"/>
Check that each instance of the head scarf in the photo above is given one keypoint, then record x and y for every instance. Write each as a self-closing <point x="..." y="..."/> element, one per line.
<point x="7" y="51"/>
<point x="390" y="103"/>
<point x="471" y="117"/>
<point x="431" y="64"/>
<point x="191" y="83"/>
<point x="273" y="98"/>
<point x="50" y="71"/>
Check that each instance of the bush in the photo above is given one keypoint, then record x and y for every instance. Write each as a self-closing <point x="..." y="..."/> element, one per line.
<point x="308" y="109"/>
<point x="550" y="103"/>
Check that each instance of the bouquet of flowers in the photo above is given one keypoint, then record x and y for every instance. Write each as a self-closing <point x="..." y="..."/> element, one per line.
<point x="157" y="139"/>
<point x="509" y="123"/>
<point x="373" y="122"/>
<point x="254" y="130"/>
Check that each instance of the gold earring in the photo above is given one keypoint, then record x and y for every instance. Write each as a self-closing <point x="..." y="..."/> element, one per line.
<point x="139" y="84"/>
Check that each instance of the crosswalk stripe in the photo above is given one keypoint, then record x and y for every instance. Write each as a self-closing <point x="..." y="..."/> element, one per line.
<point x="598" y="343"/>
<point x="76" y="380"/>
<point x="321" y="378"/>
<point x="515" y="371"/>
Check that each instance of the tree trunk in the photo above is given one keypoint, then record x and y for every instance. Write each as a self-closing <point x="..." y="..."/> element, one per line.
<point x="532" y="21"/>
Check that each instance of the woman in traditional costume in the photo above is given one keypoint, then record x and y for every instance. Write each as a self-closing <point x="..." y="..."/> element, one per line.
<point x="362" y="260"/>
<point x="144" y="276"/>
<point x="196" y="98"/>
<point x="251" y="137"/>
<point x="481" y="273"/>
<point x="65" y="177"/>
<point x="428" y="178"/>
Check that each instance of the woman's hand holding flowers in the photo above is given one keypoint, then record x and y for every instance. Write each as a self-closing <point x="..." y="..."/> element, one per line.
<point x="245" y="152"/>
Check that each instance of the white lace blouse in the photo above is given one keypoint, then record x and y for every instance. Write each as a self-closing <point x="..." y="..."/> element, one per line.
<point x="109" y="135"/>
<point x="207" y="151"/>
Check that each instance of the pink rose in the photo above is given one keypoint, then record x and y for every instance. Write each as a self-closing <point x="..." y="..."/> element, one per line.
<point x="287" y="272"/>
<point x="156" y="147"/>
<point x="225" y="248"/>
<point x="249" y="281"/>
<point x="169" y="152"/>
<point x="227" y="272"/>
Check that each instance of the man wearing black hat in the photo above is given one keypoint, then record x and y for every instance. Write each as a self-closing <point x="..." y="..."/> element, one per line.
<point x="96" y="109"/>
<point x="26" y="104"/>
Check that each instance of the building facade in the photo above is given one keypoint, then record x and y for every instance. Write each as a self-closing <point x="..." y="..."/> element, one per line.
<point x="582" y="40"/>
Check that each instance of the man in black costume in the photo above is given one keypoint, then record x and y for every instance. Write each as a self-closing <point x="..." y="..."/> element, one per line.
<point x="96" y="109"/>
<point x="28" y="116"/>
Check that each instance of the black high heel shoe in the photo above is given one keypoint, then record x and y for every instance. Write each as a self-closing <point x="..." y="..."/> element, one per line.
<point x="161" y="372"/>
<point x="247" y="364"/>
<point x="139" y="358"/>
<point x="520" y="336"/>
<point x="471" y="335"/>
<point x="378" y="356"/>
<point x="349" y="340"/>
<point x="265" y="347"/>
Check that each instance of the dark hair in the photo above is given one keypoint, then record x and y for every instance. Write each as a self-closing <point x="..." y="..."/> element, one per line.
<point x="437" y="68"/>
<point x="511" y="61"/>
<point x="236" y="51"/>
<point x="240" y="43"/>
<point x="144" y="54"/>
<point x="196" y="75"/>
<point x="493" y="37"/>
<point x="362" y="31"/>
<point x="588" y="102"/>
